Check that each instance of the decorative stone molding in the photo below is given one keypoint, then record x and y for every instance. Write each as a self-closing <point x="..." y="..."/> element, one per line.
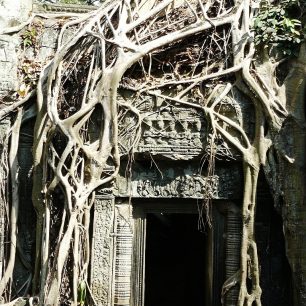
<point x="177" y="181"/>
<point x="187" y="186"/>
<point x="102" y="251"/>
<point x="176" y="133"/>
<point x="112" y="247"/>
<point x="123" y="241"/>
<point x="47" y="7"/>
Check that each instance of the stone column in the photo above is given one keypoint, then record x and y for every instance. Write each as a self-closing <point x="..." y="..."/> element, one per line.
<point x="233" y="243"/>
<point x="123" y="241"/>
<point x="112" y="248"/>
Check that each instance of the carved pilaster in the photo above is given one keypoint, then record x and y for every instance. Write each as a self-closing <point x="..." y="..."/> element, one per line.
<point x="123" y="240"/>
<point x="233" y="245"/>
<point x="102" y="252"/>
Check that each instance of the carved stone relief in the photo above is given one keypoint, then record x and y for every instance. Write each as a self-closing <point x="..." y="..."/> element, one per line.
<point x="76" y="6"/>
<point x="177" y="181"/>
<point x="112" y="247"/>
<point x="102" y="252"/>
<point x="195" y="186"/>
<point x="183" y="133"/>
<point x="123" y="241"/>
<point x="174" y="133"/>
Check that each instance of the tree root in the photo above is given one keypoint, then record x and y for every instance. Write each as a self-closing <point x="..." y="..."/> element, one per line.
<point x="14" y="168"/>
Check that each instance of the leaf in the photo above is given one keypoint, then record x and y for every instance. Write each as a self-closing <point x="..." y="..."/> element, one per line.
<point x="27" y="42"/>
<point x="23" y="90"/>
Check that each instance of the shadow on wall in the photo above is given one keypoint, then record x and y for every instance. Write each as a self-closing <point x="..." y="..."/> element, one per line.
<point x="274" y="265"/>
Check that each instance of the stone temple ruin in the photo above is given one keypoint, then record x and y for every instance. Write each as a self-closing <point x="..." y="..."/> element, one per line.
<point x="152" y="243"/>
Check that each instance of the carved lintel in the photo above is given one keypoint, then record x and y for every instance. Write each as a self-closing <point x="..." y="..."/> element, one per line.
<point x="174" y="132"/>
<point x="179" y="180"/>
<point x="185" y="186"/>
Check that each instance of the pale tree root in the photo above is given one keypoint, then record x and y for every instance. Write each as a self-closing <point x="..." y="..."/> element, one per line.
<point x="249" y="257"/>
<point x="14" y="169"/>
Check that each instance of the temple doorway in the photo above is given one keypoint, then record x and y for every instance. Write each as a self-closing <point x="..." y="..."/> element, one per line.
<point x="176" y="260"/>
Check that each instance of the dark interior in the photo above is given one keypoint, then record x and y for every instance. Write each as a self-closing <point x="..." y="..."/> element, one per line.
<point x="274" y="266"/>
<point x="175" y="264"/>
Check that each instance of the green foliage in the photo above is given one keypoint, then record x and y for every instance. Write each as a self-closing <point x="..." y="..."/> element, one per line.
<point x="280" y="25"/>
<point x="29" y="37"/>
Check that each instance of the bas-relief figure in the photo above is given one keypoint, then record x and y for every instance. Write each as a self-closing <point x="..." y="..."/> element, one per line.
<point x="178" y="136"/>
<point x="183" y="186"/>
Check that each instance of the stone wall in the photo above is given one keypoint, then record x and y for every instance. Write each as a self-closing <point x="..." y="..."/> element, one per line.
<point x="14" y="12"/>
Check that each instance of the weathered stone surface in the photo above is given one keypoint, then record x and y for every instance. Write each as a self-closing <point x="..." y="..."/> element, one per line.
<point x="61" y="7"/>
<point x="123" y="242"/>
<point x="112" y="248"/>
<point x="14" y="12"/>
<point x="176" y="133"/>
<point x="8" y="63"/>
<point x="47" y="44"/>
<point x="180" y="181"/>
<point x="102" y="251"/>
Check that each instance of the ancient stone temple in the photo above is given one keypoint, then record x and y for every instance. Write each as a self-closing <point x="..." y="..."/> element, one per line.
<point x="167" y="230"/>
<point x="152" y="241"/>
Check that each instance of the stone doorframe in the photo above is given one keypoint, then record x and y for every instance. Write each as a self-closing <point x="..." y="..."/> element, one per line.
<point x="112" y="246"/>
<point x="118" y="248"/>
<point x="141" y="209"/>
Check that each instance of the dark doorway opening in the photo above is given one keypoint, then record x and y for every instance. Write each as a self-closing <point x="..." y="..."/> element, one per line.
<point x="176" y="271"/>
